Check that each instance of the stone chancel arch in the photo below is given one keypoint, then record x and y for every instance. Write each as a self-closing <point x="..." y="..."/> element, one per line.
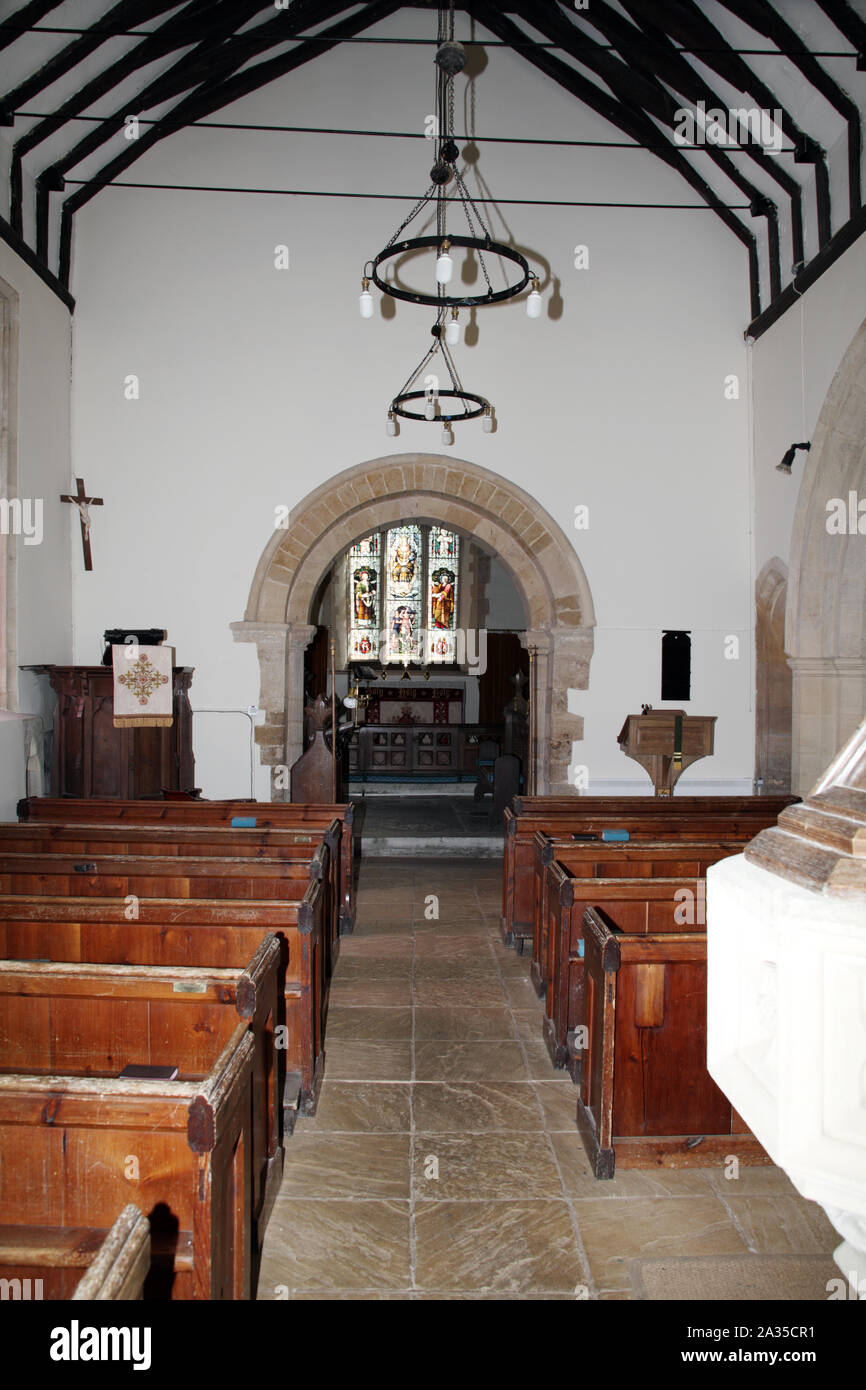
<point x="424" y="487"/>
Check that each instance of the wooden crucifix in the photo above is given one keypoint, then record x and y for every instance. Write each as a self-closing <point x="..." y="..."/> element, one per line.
<point x="83" y="503"/>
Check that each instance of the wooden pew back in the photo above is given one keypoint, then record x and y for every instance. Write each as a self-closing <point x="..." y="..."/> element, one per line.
<point x="647" y="1097"/>
<point x="189" y="932"/>
<point x="47" y="1261"/>
<point x="644" y="818"/>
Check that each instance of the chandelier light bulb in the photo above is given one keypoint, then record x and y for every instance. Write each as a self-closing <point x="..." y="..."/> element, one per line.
<point x="447" y="436"/>
<point x="444" y="264"/>
<point x="366" y="300"/>
<point x="430" y="408"/>
<point x="533" y="303"/>
<point x="452" y="332"/>
<point x="487" y="422"/>
<point x="391" y="426"/>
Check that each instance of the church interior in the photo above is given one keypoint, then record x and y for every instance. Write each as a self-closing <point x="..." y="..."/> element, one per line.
<point x="464" y="409"/>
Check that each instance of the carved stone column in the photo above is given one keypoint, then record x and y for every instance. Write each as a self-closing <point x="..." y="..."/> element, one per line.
<point x="299" y="637"/>
<point x="828" y="699"/>
<point x="563" y="657"/>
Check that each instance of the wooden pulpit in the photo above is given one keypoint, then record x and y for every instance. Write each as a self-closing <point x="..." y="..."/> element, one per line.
<point x="665" y="742"/>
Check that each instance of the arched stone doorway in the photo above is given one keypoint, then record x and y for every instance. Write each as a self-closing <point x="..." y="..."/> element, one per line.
<point x="825" y="621"/>
<point x="538" y="555"/>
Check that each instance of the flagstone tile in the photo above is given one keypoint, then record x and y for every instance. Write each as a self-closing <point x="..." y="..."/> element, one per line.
<point x="463" y="1023"/>
<point x="496" y="1247"/>
<point x="491" y="1166"/>
<point x="469" y="1061"/>
<point x="642" y="1228"/>
<point x="367" y="1061"/>
<point x="336" y="1244"/>
<point x="346" y="1165"/>
<point x="558" y="1105"/>
<point x="463" y="1107"/>
<point x="346" y="1022"/>
<point x="386" y="994"/>
<point x="776" y="1224"/>
<point x="482" y="994"/>
<point x="356" y="1105"/>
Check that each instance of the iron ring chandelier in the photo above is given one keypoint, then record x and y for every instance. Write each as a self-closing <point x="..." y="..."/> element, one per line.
<point x="423" y="243"/>
<point x="398" y="403"/>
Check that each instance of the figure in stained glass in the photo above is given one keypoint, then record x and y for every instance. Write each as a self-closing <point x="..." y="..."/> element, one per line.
<point x="442" y="598"/>
<point x="365" y="597"/>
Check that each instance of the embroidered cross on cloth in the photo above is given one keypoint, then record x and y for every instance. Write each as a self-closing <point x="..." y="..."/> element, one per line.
<point x="142" y="686"/>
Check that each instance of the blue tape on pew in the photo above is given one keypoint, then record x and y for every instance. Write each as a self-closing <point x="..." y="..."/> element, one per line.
<point x="580" y="946"/>
<point x="243" y="822"/>
<point x="614" y="835"/>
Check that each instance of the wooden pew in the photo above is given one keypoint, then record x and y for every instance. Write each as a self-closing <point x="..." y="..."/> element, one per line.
<point x="253" y="815"/>
<point x="632" y="859"/>
<point x="287" y="846"/>
<point x="647" y="1099"/>
<point x="643" y="817"/>
<point x="189" y="932"/>
<point x="639" y="905"/>
<point x="45" y="1262"/>
<point x="72" y="1145"/>
<point x="80" y="1019"/>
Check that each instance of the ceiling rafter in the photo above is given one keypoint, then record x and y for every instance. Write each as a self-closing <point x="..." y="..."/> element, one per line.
<point x="635" y="124"/>
<point x="639" y="89"/>
<point x="763" y="18"/>
<point x="132" y="11"/>
<point x="164" y="41"/>
<point x="211" y="96"/>
<point x="663" y="58"/>
<point x="18" y="24"/>
<point x="688" y="26"/>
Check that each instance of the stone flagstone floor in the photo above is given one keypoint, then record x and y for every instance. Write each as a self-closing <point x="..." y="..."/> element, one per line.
<point x="443" y="1161"/>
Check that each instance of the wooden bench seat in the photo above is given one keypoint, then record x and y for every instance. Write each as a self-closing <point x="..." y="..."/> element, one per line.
<point x="252" y="815"/>
<point x="85" y="1019"/>
<point x="634" y="859"/>
<point x="205" y="934"/>
<point x="45" y="1262"/>
<point x="647" y="1099"/>
<point x="73" y="1146"/>
<point x="641" y="817"/>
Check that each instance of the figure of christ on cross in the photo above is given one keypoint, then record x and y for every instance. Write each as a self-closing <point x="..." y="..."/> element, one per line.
<point x="83" y="503"/>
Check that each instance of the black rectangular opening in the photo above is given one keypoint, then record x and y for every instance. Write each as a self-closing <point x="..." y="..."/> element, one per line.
<point x="676" y="665"/>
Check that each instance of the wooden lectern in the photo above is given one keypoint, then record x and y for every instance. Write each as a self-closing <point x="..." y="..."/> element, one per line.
<point x="665" y="742"/>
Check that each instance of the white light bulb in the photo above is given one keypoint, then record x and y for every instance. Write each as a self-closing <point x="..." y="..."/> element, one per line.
<point x="444" y="268"/>
<point x="452" y="333"/>
<point x="487" y="422"/>
<point x="366" y="303"/>
<point x="391" y="426"/>
<point x="447" y="437"/>
<point x="533" y="305"/>
<point x="430" y="408"/>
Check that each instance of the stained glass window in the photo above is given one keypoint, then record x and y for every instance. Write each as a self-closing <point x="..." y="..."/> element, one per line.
<point x="364" y="573"/>
<point x="403" y="595"/>
<point x="404" y="558"/>
<point x="442" y="572"/>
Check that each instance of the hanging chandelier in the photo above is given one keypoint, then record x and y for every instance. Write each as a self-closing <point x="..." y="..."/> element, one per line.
<point x="441" y="404"/>
<point x="450" y="60"/>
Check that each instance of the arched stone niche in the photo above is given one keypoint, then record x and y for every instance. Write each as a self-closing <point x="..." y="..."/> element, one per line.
<point x="825" y="620"/>
<point x="422" y="487"/>
<point x="773" y="681"/>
